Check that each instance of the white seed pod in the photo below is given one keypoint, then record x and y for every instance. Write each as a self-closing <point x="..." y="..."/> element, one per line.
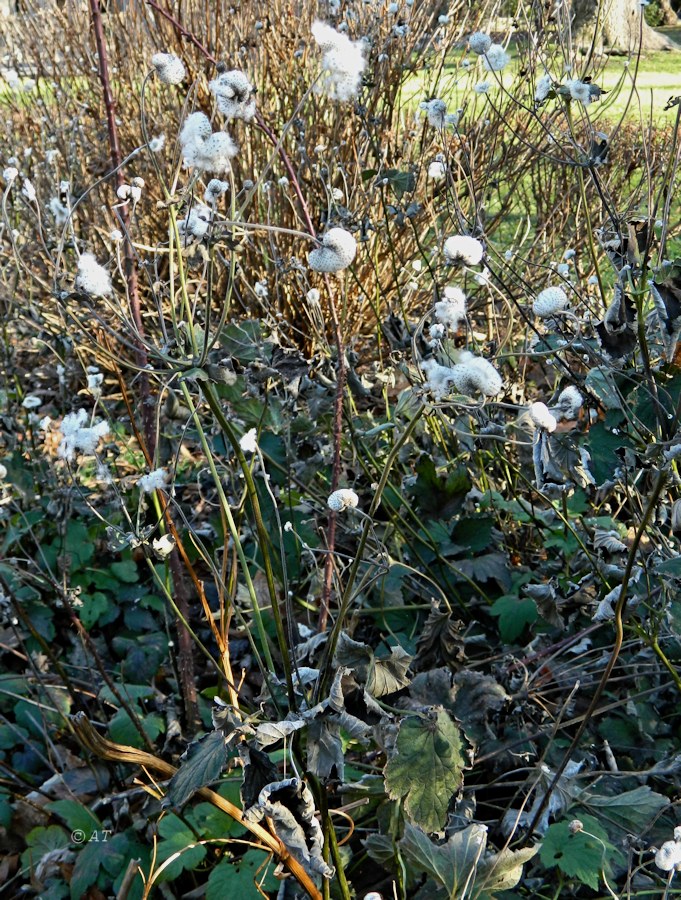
<point x="479" y="42"/>
<point x="462" y="248"/>
<point x="542" y="418"/>
<point x="550" y="301"/>
<point x="342" y="499"/>
<point x="93" y="278"/>
<point x="169" y="68"/>
<point x="336" y="253"/>
<point x="668" y="857"/>
<point x="569" y="403"/>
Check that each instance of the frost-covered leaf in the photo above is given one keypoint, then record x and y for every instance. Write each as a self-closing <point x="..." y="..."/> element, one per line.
<point x="259" y="771"/>
<point x="427" y="769"/>
<point x="451" y="863"/>
<point x="290" y="806"/>
<point x="353" y="655"/>
<point x="271" y="732"/>
<point x="204" y="762"/>
<point x="389" y="675"/>
<point x="324" y="749"/>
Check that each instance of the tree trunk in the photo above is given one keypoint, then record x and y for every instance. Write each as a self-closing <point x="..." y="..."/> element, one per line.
<point x="619" y="27"/>
<point x="671" y="17"/>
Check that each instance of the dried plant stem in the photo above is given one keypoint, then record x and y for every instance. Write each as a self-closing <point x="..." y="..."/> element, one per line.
<point x="121" y="753"/>
<point x="617" y="646"/>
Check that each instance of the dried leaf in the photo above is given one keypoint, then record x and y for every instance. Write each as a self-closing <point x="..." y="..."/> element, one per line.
<point x="389" y="675"/>
<point x="451" y="863"/>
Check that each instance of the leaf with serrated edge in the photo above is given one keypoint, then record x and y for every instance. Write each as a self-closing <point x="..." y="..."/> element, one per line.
<point x="204" y="764"/>
<point x="501" y="871"/>
<point x="389" y="675"/>
<point x="451" y="863"/>
<point x="427" y="769"/>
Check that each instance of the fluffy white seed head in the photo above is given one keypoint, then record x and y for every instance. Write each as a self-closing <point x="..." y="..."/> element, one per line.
<point x="195" y="224"/>
<point x="342" y="499"/>
<point x="342" y="60"/>
<point x="461" y="248"/>
<point x="542" y="417"/>
<point x="477" y="375"/>
<point x="550" y="301"/>
<point x="543" y="88"/>
<point x="336" y="253"/>
<point x="495" y="58"/>
<point x="437" y="170"/>
<point x="451" y="311"/>
<point x="153" y="481"/>
<point x="569" y="403"/>
<point x="93" y="278"/>
<point x="579" y="90"/>
<point x="479" y="42"/>
<point x="668" y="857"/>
<point x="169" y="68"/>
<point x="214" y="190"/>
<point x="436" y="111"/>
<point x="77" y="436"/>
<point x="249" y="441"/>
<point x="234" y="94"/>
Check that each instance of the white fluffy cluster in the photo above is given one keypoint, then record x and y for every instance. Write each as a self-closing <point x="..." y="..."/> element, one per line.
<point x="471" y="375"/>
<point x="75" y="436"/>
<point x="668" y="857"/>
<point x="169" y="68"/>
<point x="569" y="403"/>
<point x="153" y="481"/>
<point x="451" y="310"/>
<point x="579" y="90"/>
<point x="249" y="441"/>
<point x="235" y="95"/>
<point x="336" y="253"/>
<point x="93" y="278"/>
<point x="437" y="170"/>
<point x="436" y="111"/>
<point x="461" y="248"/>
<point x="342" y="499"/>
<point x="195" y="224"/>
<point x="343" y="62"/>
<point x="479" y="42"/>
<point x="204" y="149"/>
<point x="495" y="58"/>
<point x="550" y="301"/>
<point x="544" y="85"/>
<point x="542" y="417"/>
<point x="214" y="190"/>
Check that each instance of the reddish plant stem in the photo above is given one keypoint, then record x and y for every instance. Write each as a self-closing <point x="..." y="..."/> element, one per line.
<point x="335" y="324"/>
<point x="128" y="252"/>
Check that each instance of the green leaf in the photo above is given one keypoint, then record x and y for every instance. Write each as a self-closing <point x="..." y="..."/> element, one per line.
<point x="86" y="870"/>
<point x="178" y="839"/>
<point x="75" y="816"/>
<point x="123" y="731"/>
<point x="450" y="863"/>
<point x="427" y="769"/>
<point x="578" y="855"/>
<point x="400" y="182"/>
<point x="93" y="606"/>
<point x="631" y="810"/>
<point x="41" y="841"/>
<point x="670" y="567"/>
<point x="514" y="614"/>
<point x="206" y="759"/>
<point x="125" y="570"/>
<point x="238" y="878"/>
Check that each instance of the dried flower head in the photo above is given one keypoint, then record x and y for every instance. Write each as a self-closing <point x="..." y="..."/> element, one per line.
<point x="214" y="190"/>
<point x="668" y="857"/>
<point x="342" y="499"/>
<point x="249" y="441"/>
<point x="76" y="436"/>
<point x="462" y="248"/>
<point x="550" y="301"/>
<point x="93" y="278"/>
<point x="336" y="253"/>
<point x="169" y="68"/>
<point x="203" y="150"/>
<point x="235" y="95"/>
<point x="543" y="88"/>
<point x="569" y="403"/>
<point x="451" y="311"/>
